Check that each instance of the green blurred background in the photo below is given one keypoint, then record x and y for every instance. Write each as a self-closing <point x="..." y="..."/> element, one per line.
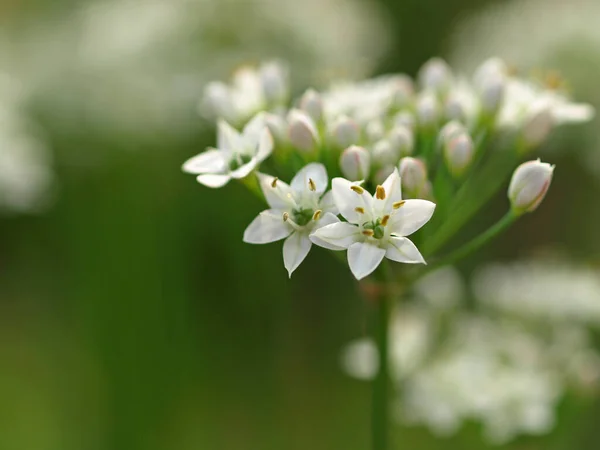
<point x="132" y="316"/>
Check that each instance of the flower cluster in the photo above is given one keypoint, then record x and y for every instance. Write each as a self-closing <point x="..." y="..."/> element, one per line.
<point x="441" y="140"/>
<point x="451" y="366"/>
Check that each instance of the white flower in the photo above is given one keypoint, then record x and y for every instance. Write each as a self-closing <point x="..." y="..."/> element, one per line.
<point x="237" y="155"/>
<point x="295" y="211"/>
<point x="376" y="226"/>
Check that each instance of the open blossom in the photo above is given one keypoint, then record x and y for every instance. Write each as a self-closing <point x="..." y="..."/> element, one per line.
<point x="377" y="226"/>
<point x="296" y="210"/>
<point x="237" y="155"/>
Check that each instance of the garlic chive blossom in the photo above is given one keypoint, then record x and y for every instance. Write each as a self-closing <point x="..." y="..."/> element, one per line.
<point x="296" y="210"/>
<point x="237" y="155"/>
<point x="376" y="226"/>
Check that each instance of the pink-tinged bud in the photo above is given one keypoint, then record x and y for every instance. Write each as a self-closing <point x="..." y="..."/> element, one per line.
<point x="529" y="185"/>
<point x="274" y="82"/>
<point x="413" y="175"/>
<point x="458" y="153"/>
<point x="312" y="103"/>
<point x="449" y="131"/>
<point x="385" y="154"/>
<point x="402" y="139"/>
<point x="302" y="132"/>
<point x="428" y="109"/>
<point x="345" y="132"/>
<point x="435" y="75"/>
<point x="355" y="163"/>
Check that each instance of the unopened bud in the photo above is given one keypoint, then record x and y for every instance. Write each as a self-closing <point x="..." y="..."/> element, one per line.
<point x="402" y="140"/>
<point x="529" y="185"/>
<point x="413" y="175"/>
<point x="312" y="104"/>
<point x="345" y="132"/>
<point x="277" y="126"/>
<point x="458" y="153"/>
<point x="402" y="91"/>
<point x="385" y="154"/>
<point x="428" y="110"/>
<point x="435" y="75"/>
<point x="450" y="131"/>
<point x="375" y="130"/>
<point x="455" y="108"/>
<point x="405" y="119"/>
<point x="274" y="82"/>
<point x="302" y="131"/>
<point x="492" y="94"/>
<point x="355" y="163"/>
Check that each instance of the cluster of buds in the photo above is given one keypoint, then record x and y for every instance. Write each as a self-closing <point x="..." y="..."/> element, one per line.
<point x="443" y="139"/>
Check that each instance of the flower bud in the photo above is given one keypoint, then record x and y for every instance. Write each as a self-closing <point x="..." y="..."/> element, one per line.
<point x="405" y="119"/>
<point x="413" y="175"/>
<point x="312" y="104"/>
<point x="428" y="110"/>
<point x="385" y="154"/>
<point x="454" y="108"/>
<point x="458" y="153"/>
<point x="274" y="81"/>
<point x="375" y="130"/>
<point x="402" y="140"/>
<point x="492" y="94"/>
<point x="302" y="132"/>
<point x="402" y="91"/>
<point x="449" y="131"/>
<point x="345" y="132"/>
<point x="355" y="163"/>
<point x="529" y="185"/>
<point x="435" y="75"/>
<point x="277" y="126"/>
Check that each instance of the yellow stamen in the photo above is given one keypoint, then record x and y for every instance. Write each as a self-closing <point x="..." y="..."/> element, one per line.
<point x="359" y="210"/>
<point x="399" y="204"/>
<point x="317" y="215"/>
<point x="357" y="189"/>
<point x="380" y="193"/>
<point x="286" y="216"/>
<point x="369" y="233"/>
<point x="274" y="182"/>
<point x="385" y="220"/>
<point x="311" y="185"/>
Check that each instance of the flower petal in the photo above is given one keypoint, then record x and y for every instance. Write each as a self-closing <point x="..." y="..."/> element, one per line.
<point x="295" y="249"/>
<point x="210" y="161"/>
<point x="267" y="227"/>
<point x="252" y="132"/>
<point x="313" y="171"/>
<point x="243" y="171"/>
<point x="411" y="216"/>
<point x="403" y="250"/>
<point x="363" y="258"/>
<point x="335" y="236"/>
<point x="280" y="196"/>
<point x="327" y="204"/>
<point x="265" y="146"/>
<point x="347" y="200"/>
<point x="228" y="139"/>
<point x="393" y="194"/>
<point x="213" y="180"/>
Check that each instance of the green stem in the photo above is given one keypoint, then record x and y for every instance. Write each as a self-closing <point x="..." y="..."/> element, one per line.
<point x="475" y="244"/>
<point x="380" y="412"/>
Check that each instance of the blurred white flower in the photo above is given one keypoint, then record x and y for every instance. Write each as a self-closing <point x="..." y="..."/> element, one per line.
<point x="25" y="174"/>
<point x="128" y="64"/>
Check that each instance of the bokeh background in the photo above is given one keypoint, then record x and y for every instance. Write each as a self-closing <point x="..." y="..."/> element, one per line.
<point x="132" y="316"/>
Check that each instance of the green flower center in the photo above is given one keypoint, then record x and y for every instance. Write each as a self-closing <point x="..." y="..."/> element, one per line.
<point x="377" y="228"/>
<point x="302" y="216"/>
<point x="238" y="161"/>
